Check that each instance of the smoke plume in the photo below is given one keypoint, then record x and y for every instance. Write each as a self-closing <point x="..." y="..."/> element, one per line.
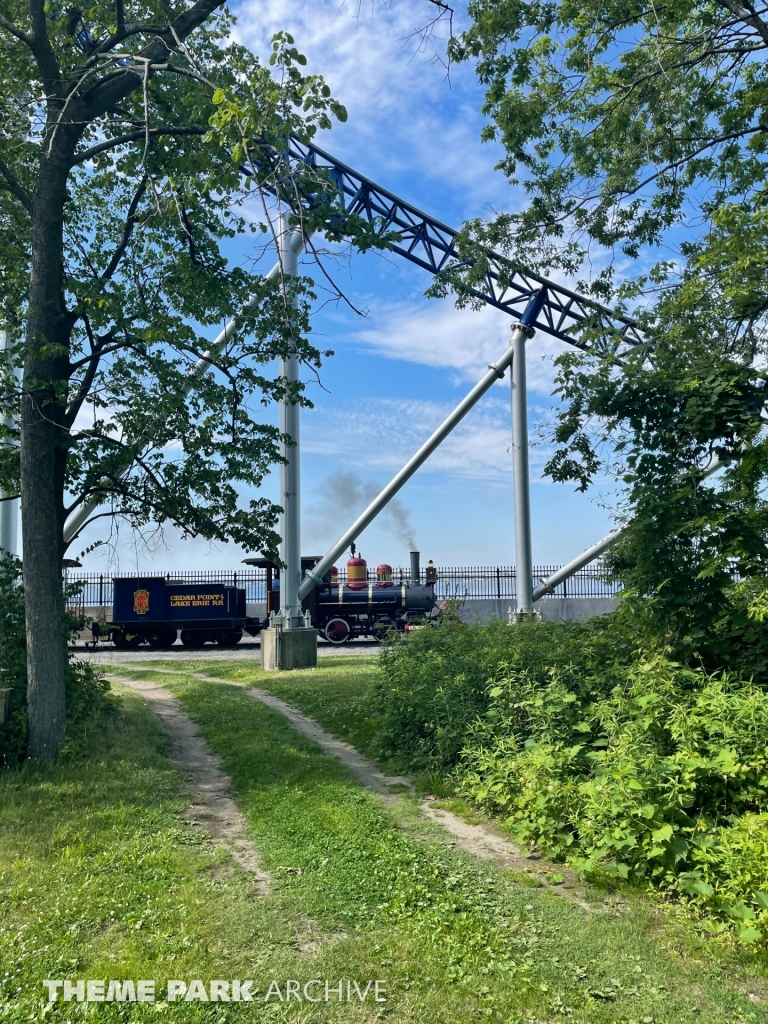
<point x="342" y="498"/>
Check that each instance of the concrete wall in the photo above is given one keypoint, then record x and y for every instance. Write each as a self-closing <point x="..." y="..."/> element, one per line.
<point x="562" y="609"/>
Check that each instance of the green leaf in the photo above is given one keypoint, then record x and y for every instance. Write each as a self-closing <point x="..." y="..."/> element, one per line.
<point x="661" y="835"/>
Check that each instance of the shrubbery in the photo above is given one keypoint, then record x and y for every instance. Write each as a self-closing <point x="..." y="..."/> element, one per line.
<point x="619" y="761"/>
<point x="87" y="694"/>
<point x="434" y="680"/>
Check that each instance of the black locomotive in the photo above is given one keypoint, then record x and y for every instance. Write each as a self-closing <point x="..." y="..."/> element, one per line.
<point x="359" y="607"/>
<point x="153" y="610"/>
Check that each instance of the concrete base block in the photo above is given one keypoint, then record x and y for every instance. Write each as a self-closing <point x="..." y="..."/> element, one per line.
<point x="288" y="649"/>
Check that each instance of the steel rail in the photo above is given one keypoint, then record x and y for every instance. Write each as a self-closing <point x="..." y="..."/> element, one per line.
<point x="431" y="245"/>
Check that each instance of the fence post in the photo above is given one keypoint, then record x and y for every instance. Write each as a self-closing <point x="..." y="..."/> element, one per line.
<point x="498" y="583"/>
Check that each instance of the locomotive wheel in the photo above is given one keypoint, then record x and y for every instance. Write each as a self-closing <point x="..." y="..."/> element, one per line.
<point x="337" y="631"/>
<point x="192" y="638"/>
<point x="382" y="627"/>
<point x="163" y="638"/>
<point x="229" y="637"/>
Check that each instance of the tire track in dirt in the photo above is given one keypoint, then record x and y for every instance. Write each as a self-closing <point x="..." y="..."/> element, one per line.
<point x="483" y="841"/>
<point x="215" y="810"/>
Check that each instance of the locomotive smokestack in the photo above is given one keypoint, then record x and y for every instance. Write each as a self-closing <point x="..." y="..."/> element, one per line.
<point x="415" y="566"/>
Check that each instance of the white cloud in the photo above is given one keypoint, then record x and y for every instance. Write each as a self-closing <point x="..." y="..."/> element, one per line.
<point x="405" y="119"/>
<point x="382" y="434"/>
<point x="437" y="334"/>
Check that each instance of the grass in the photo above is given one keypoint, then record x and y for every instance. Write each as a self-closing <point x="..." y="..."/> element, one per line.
<point x="337" y="694"/>
<point x="455" y="940"/>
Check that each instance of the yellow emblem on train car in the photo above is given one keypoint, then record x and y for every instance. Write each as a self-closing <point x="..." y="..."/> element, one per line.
<point x="141" y="602"/>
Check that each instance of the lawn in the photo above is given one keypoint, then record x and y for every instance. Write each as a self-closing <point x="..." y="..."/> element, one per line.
<point x="362" y="891"/>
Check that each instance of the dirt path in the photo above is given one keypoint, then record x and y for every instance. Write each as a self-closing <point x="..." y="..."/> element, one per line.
<point x="215" y="810"/>
<point x="483" y="840"/>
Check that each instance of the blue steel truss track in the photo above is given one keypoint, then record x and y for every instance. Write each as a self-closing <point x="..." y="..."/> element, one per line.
<point x="431" y="245"/>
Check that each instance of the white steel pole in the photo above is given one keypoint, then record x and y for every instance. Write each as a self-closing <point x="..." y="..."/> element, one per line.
<point x="579" y="562"/>
<point x="495" y="372"/>
<point x="290" y="470"/>
<point x="82" y="514"/>
<point x="523" y="556"/>
<point x="591" y="553"/>
<point x="9" y="508"/>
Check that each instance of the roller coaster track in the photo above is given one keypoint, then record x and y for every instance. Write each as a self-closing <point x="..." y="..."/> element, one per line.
<point x="432" y="246"/>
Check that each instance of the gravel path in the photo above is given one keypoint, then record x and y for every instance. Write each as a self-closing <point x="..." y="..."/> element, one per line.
<point x="215" y="810"/>
<point x="483" y="840"/>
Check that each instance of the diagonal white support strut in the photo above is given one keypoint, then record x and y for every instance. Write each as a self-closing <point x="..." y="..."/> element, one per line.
<point x="495" y="372"/>
<point x="590" y="554"/>
<point x="78" y="519"/>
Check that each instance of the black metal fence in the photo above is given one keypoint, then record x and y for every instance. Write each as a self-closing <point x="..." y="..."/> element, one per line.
<point x="482" y="582"/>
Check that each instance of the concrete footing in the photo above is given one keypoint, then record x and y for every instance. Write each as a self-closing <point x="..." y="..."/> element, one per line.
<point x="288" y="649"/>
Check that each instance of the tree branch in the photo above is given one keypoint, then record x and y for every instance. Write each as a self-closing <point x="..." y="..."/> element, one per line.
<point x="13" y="186"/>
<point x="128" y="227"/>
<point x="41" y="47"/>
<point x="10" y="27"/>
<point x="747" y="17"/>
<point x="122" y="140"/>
<point x="105" y="96"/>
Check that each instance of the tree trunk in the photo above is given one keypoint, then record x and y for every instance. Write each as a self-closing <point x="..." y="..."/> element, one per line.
<point x="43" y="458"/>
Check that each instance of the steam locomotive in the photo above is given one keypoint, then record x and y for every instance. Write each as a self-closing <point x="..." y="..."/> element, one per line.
<point x="153" y="610"/>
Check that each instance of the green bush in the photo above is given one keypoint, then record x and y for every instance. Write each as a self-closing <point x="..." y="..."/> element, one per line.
<point x="665" y="778"/>
<point x="433" y="683"/>
<point x="87" y="693"/>
<point x="13" y="660"/>
<point x="620" y="762"/>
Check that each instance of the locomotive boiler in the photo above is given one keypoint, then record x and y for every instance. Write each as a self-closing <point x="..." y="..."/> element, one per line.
<point x="360" y="607"/>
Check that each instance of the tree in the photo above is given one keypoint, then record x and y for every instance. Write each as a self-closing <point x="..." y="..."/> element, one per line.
<point x="638" y="133"/>
<point x="630" y="126"/>
<point x="126" y="130"/>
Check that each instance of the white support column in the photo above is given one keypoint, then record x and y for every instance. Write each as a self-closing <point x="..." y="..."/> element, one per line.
<point x="81" y="515"/>
<point x="290" y="472"/>
<point x="9" y="509"/>
<point x="495" y="373"/>
<point x="523" y="556"/>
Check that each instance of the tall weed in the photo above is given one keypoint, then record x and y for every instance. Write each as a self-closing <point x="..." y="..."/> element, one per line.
<point x="621" y="762"/>
<point x="87" y="693"/>
<point x="433" y="683"/>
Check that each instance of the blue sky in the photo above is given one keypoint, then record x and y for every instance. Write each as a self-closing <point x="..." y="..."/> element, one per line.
<point x="400" y="369"/>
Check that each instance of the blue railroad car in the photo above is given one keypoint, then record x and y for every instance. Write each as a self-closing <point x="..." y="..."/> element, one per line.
<point x="153" y="610"/>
